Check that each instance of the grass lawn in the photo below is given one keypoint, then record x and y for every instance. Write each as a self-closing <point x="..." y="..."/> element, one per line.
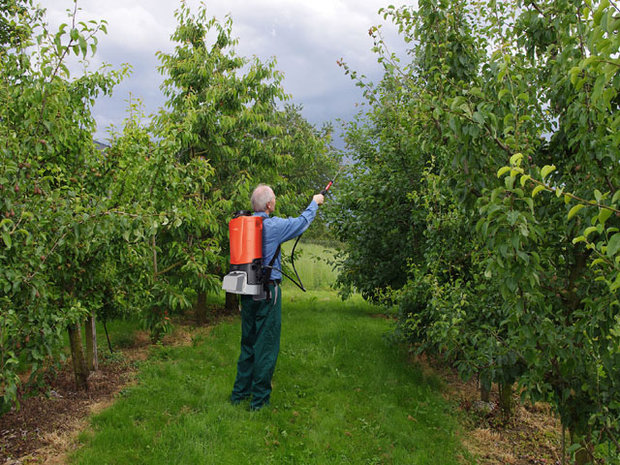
<point x="342" y="394"/>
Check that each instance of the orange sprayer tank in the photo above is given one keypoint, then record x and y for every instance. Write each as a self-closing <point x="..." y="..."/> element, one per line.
<point x="246" y="239"/>
<point x="246" y="255"/>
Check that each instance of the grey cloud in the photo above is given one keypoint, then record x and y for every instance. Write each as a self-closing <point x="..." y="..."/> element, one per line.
<point x="306" y="38"/>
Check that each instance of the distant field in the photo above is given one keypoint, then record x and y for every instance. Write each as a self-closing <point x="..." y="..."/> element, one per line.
<point x="314" y="264"/>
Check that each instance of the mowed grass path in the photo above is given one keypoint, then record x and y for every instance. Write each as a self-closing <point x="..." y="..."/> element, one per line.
<point x="342" y="394"/>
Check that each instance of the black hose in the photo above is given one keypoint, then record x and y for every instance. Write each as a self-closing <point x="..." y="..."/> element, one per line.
<point x="297" y="283"/>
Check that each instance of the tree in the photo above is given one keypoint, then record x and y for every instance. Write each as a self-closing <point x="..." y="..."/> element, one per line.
<point x="223" y="108"/>
<point x="53" y="225"/>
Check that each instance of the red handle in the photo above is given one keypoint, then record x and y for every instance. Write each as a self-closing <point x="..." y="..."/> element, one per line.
<point x="324" y="191"/>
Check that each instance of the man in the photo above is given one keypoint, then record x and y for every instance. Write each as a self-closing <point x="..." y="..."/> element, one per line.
<point x="261" y="319"/>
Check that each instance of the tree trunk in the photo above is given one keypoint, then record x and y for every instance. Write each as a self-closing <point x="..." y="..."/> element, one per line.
<point x="232" y="302"/>
<point x="200" y="309"/>
<point x="485" y="388"/>
<point x="505" y="399"/>
<point x="77" y="355"/>
<point x="485" y="393"/>
<point x="576" y="271"/>
<point x="92" y="359"/>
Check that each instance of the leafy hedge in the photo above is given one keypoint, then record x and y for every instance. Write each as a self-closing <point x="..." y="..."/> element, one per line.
<point x="483" y="199"/>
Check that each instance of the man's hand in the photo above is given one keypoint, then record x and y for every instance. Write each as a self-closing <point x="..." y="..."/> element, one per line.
<point x="319" y="199"/>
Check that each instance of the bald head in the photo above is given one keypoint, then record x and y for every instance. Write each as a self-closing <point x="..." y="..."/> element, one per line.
<point x="263" y="198"/>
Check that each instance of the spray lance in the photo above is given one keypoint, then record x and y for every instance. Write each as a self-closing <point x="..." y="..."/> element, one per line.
<point x="329" y="184"/>
<point x="247" y="275"/>
<point x="298" y="283"/>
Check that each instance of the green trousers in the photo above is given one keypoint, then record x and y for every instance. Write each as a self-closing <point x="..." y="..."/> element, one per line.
<point x="261" y="322"/>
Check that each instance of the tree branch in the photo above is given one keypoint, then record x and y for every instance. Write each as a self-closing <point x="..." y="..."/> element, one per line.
<point x="574" y="197"/>
<point x="165" y="270"/>
<point x="537" y="8"/>
<point x="154" y="257"/>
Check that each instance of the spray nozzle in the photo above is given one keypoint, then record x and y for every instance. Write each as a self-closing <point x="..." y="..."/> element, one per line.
<point x="329" y="184"/>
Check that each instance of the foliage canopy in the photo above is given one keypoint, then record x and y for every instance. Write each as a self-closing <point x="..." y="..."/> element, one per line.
<point x="484" y="184"/>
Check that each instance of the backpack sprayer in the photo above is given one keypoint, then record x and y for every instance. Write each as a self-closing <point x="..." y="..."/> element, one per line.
<point x="247" y="274"/>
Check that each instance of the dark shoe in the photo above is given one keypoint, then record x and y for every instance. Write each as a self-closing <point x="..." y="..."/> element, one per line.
<point x="238" y="400"/>
<point x="256" y="408"/>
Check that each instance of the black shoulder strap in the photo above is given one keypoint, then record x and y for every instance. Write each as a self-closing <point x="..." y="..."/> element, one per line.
<point x="273" y="259"/>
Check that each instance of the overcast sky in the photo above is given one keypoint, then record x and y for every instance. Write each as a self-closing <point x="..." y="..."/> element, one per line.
<point x="305" y="36"/>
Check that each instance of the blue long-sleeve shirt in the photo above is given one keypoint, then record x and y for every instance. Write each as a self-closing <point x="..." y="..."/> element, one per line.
<point x="277" y="230"/>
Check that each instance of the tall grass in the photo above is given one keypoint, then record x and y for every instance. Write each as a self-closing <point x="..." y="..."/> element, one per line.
<point x="342" y="395"/>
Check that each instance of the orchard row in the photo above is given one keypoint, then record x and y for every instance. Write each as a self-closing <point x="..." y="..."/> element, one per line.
<point x="141" y="226"/>
<point x="483" y="200"/>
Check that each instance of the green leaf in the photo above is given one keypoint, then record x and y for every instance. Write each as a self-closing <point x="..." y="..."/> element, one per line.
<point x="613" y="245"/>
<point x="525" y="178"/>
<point x="589" y="230"/>
<point x="604" y="215"/>
<point x="6" y="223"/>
<point x="574" y="74"/>
<point x="456" y="102"/>
<point x="516" y="159"/>
<point x="524" y="97"/>
<point x="537" y="189"/>
<point x="544" y="172"/>
<point x="597" y="195"/>
<point x="6" y="237"/>
<point x="477" y="92"/>
<point x="83" y="46"/>
<point x="496" y="193"/>
<point x="573" y="211"/>
<point x="503" y="170"/>
<point x="478" y="117"/>
<point x="512" y="217"/>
